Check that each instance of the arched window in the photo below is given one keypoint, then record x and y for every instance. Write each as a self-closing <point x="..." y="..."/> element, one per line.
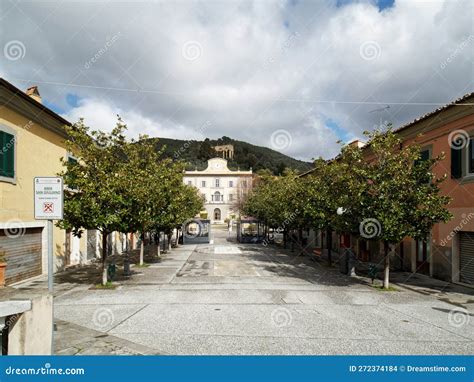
<point x="217" y="197"/>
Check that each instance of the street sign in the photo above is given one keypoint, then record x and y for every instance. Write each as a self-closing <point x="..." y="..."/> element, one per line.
<point x="48" y="198"/>
<point x="49" y="206"/>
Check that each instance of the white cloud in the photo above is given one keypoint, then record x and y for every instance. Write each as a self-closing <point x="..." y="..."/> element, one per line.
<point x="255" y="67"/>
<point x="100" y="115"/>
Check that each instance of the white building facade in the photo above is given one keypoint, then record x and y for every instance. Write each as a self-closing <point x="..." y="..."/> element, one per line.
<point x="222" y="189"/>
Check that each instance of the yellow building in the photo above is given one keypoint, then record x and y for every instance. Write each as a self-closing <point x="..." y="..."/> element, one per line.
<point x="32" y="143"/>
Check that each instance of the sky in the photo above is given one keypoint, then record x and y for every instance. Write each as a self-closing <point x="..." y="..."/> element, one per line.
<point x="296" y="76"/>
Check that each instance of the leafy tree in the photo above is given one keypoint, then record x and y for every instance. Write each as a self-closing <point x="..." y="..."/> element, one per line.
<point x="180" y="202"/>
<point x="94" y="197"/>
<point x="120" y="185"/>
<point x="403" y="195"/>
<point x="334" y="192"/>
<point x="270" y="202"/>
<point x="384" y="192"/>
<point x="206" y="151"/>
<point x="143" y="180"/>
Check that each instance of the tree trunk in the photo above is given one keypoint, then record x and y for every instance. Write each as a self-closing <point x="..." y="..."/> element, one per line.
<point x="104" y="258"/>
<point x="386" y="271"/>
<point x="329" y="245"/>
<point x="284" y="238"/>
<point x="169" y="241"/>
<point x="158" y="246"/>
<point x="142" y="249"/>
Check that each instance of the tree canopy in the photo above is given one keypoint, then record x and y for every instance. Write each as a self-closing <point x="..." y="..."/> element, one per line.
<point x="382" y="192"/>
<point x="116" y="184"/>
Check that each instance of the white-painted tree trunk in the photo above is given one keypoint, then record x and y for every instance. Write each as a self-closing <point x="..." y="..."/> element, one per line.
<point x="158" y="247"/>
<point x="104" y="258"/>
<point x="386" y="272"/>
<point x="142" y="250"/>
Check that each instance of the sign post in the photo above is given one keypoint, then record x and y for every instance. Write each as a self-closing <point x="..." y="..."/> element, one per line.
<point x="49" y="204"/>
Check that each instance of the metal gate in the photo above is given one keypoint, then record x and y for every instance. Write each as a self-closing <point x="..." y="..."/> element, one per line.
<point x="466" y="257"/>
<point x="23" y="254"/>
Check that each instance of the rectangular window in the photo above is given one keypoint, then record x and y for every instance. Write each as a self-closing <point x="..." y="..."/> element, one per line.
<point x="7" y="155"/>
<point x="231" y="183"/>
<point x="217" y="183"/>
<point x="424" y="155"/>
<point x="203" y="183"/>
<point x="71" y="159"/>
<point x="231" y="197"/>
<point x="190" y="183"/>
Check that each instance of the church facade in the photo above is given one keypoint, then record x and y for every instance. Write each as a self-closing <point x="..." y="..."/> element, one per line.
<point x="223" y="189"/>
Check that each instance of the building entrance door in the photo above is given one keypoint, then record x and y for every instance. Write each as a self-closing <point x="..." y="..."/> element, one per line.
<point x="423" y="257"/>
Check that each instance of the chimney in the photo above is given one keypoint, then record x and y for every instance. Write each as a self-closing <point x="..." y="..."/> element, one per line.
<point x="357" y="143"/>
<point x="34" y="93"/>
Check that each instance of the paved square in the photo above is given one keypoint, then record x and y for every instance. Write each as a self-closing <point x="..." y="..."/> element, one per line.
<point x="229" y="298"/>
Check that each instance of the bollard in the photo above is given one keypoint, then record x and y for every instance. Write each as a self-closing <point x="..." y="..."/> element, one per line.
<point x="126" y="267"/>
<point x="111" y="272"/>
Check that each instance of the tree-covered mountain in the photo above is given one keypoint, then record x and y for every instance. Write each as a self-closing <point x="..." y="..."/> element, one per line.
<point x="246" y="155"/>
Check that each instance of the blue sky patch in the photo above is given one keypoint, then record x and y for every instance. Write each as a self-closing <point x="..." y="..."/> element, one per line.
<point x="341" y="133"/>
<point x="72" y="100"/>
<point x="381" y="4"/>
<point x="53" y="107"/>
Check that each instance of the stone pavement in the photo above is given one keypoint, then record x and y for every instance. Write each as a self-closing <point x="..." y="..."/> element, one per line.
<point x="72" y="339"/>
<point x="230" y="298"/>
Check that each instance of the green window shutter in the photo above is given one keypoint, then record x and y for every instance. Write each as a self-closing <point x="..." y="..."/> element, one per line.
<point x="456" y="163"/>
<point x="7" y="155"/>
<point x="2" y="154"/>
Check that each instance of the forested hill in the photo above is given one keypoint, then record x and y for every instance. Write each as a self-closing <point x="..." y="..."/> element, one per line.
<point x="246" y="155"/>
